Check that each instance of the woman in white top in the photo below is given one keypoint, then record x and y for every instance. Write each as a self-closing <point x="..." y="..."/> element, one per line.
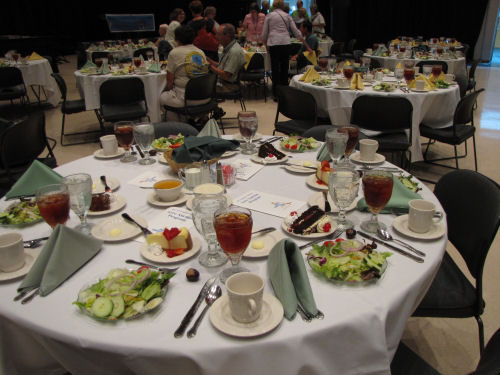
<point x="276" y="36"/>
<point x="177" y="16"/>
<point x="317" y="20"/>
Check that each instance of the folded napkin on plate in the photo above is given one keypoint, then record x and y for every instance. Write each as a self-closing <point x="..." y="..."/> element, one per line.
<point x="64" y="253"/>
<point x="311" y="57"/>
<point x="211" y="128"/>
<point x="88" y="64"/>
<point x="288" y="275"/>
<point x="202" y="148"/>
<point x="347" y="63"/>
<point x="400" y="197"/>
<point x="154" y="67"/>
<point x="37" y="175"/>
<point x="310" y="75"/>
<point x="323" y="153"/>
<point x="104" y="68"/>
<point x="248" y="57"/>
<point x="441" y="77"/>
<point x="357" y="82"/>
<point x="429" y="86"/>
<point x="35" y="56"/>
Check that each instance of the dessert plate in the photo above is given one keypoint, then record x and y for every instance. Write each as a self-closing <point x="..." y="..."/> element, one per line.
<point x="99" y="154"/>
<point x="318" y="199"/>
<point x="116" y="228"/>
<point x="270" y="317"/>
<point x="189" y="202"/>
<point x="238" y="137"/>
<point x="98" y="186"/>
<point x="356" y="157"/>
<point x="153" y="199"/>
<point x="229" y="153"/>
<point x="297" y="166"/>
<point x="312" y="235"/>
<point x="312" y="182"/>
<point x="116" y="204"/>
<point x="436" y="231"/>
<point x="268" y="241"/>
<point x="30" y="256"/>
<point x="156" y="254"/>
<point x="260" y="160"/>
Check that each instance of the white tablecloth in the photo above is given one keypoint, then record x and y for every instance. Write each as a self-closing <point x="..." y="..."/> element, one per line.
<point x="435" y="107"/>
<point x="38" y="72"/>
<point x="359" y="334"/>
<point x="455" y="66"/>
<point x="154" y="83"/>
<point x="122" y="53"/>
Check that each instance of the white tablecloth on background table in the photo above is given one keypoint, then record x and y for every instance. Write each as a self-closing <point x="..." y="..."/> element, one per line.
<point x="455" y="66"/>
<point x="154" y="83"/>
<point x="122" y="53"/>
<point x="436" y="107"/>
<point x="38" y="72"/>
<point x="359" y="334"/>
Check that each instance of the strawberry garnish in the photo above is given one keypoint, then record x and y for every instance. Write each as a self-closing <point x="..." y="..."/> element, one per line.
<point x="174" y="252"/>
<point x="294" y="147"/>
<point x="327" y="227"/>
<point x="171" y="233"/>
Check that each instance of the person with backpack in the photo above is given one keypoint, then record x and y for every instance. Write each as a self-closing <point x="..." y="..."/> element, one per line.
<point x="205" y="30"/>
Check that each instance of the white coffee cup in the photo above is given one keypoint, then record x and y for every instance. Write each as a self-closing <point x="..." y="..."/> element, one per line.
<point x="420" y="85"/>
<point x="191" y="177"/>
<point x="449" y="77"/>
<point x="245" y="291"/>
<point x="109" y="144"/>
<point x="367" y="149"/>
<point x="342" y="82"/>
<point x="379" y="76"/>
<point x="421" y="215"/>
<point x="369" y="51"/>
<point x="11" y="252"/>
<point x="427" y="69"/>
<point x="168" y="190"/>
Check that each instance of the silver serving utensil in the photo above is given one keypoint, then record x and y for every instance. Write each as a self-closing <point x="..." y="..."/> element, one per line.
<point x="385" y="235"/>
<point x="31" y="244"/>
<point x="264" y="230"/>
<point x="161" y="269"/>
<point x="214" y="293"/>
<point x="145" y="230"/>
<point x="31" y="296"/>
<point x="330" y="237"/>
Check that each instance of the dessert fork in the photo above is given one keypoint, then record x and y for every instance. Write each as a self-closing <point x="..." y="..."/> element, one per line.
<point x="332" y="236"/>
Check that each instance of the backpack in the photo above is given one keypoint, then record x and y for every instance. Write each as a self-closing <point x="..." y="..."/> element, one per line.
<point x="205" y="39"/>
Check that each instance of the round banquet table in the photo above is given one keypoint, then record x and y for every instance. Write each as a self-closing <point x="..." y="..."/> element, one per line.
<point x="122" y="52"/>
<point x="435" y="107"/>
<point x="359" y="334"/>
<point x="154" y="83"/>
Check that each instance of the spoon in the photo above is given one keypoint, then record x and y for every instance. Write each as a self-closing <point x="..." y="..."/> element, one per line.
<point x="106" y="187"/>
<point x="264" y="230"/>
<point x="214" y="293"/>
<point x="31" y="244"/>
<point x="385" y="235"/>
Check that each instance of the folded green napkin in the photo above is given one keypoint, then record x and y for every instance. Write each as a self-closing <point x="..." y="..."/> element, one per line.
<point x="142" y="58"/>
<point x="202" y="148"/>
<point x="89" y="64"/>
<point x="400" y="197"/>
<point x="323" y="153"/>
<point x="154" y="67"/>
<point x="64" y="253"/>
<point x="37" y="175"/>
<point x="288" y="275"/>
<point x="210" y="128"/>
<point x="104" y="68"/>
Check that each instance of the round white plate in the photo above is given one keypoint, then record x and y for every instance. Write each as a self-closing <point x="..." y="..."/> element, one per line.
<point x="128" y="230"/>
<point x="342" y="88"/>
<point x="270" y="317"/>
<point x="99" y="154"/>
<point x="189" y="202"/>
<point x="298" y="168"/>
<point x="229" y="153"/>
<point x="98" y="186"/>
<point x="30" y="256"/>
<point x="260" y="160"/>
<point x="116" y="204"/>
<point x="269" y="239"/>
<point x="437" y="230"/>
<point x="312" y="235"/>
<point x="153" y="199"/>
<point x="162" y="256"/>
<point x="238" y="137"/>
<point x="416" y="90"/>
<point x="312" y="182"/>
<point x="317" y="199"/>
<point x="356" y="158"/>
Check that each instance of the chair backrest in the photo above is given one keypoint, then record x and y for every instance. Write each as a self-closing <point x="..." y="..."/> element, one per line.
<point x="444" y="64"/>
<point x="349" y="48"/>
<point x="464" y="111"/>
<point x="337" y="48"/>
<point x="164" y="49"/>
<point x="317" y="132"/>
<point x="472" y="69"/>
<point x="99" y="55"/>
<point x="10" y="76"/>
<point x="296" y="104"/>
<point x="462" y="82"/>
<point x="375" y="64"/>
<point x="383" y="113"/>
<point x="472" y="205"/>
<point x="143" y="52"/>
<point x="122" y="91"/>
<point x="164" y="129"/>
<point x="201" y="87"/>
<point x="256" y="63"/>
<point x="61" y="84"/>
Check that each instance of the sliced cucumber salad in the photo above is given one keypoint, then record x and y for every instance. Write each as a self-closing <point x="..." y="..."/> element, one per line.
<point x="124" y="294"/>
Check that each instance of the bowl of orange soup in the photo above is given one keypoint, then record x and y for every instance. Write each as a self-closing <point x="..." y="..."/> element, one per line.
<point x="168" y="190"/>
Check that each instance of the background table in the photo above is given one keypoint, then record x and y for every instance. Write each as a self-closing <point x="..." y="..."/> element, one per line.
<point x="38" y="72"/>
<point x="122" y="52"/>
<point x="359" y="334"/>
<point x="455" y="66"/>
<point x="436" y="107"/>
<point x="154" y="83"/>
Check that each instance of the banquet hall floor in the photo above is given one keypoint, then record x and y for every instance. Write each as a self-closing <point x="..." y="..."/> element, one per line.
<point x="449" y="345"/>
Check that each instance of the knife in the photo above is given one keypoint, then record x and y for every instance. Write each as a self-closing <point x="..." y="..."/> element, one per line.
<point x="401" y="251"/>
<point x="301" y="166"/>
<point x="140" y="151"/>
<point x="192" y="311"/>
<point x="145" y="230"/>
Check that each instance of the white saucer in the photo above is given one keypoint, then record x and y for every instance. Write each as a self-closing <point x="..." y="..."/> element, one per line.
<point x="260" y="160"/>
<point x="162" y="257"/>
<point x="269" y="239"/>
<point x="356" y="158"/>
<point x="238" y="137"/>
<point x="312" y="235"/>
<point x="436" y="231"/>
<point x="116" y="204"/>
<point x="318" y="199"/>
<point x="99" y="154"/>
<point x="229" y="153"/>
<point x="298" y="168"/>
<point x="30" y="256"/>
<point x="417" y="90"/>
<point x="189" y="201"/>
<point x="311" y="181"/>
<point x="153" y="199"/>
<point x="342" y="88"/>
<point x="128" y="230"/>
<point x="98" y="186"/>
<point x="270" y="317"/>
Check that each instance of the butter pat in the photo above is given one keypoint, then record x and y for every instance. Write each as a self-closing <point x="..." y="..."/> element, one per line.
<point x="307" y="164"/>
<point x="115" y="232"/>
<point x="258" y="245"/>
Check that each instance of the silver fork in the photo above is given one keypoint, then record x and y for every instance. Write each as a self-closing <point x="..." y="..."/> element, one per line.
<point x="332" y="236"/>
<point x="161" y="269"/>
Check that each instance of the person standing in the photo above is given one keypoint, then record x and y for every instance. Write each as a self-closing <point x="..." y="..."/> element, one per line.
<point x="265" y="7"/>
<point x="162" y="31"/>
<point x="253" y="24"/>
<point x="177" y="16"/>
<point x="296" y="14"/>
<point x="317" y="20"/>
<point x="205" y="39"/>
<point x="276" y="37"/>
<point x="211" y="12"/>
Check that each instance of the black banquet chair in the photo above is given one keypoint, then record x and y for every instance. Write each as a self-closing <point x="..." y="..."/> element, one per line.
<point x="255" y="74"/>
<point x="12" y="85"/>
<point x="444" y="64"/>
<point x="99" y="55"/>
<point x="472" y="205"/>
<point x="164" y="129"/>
<point x="143" y="52"/>
<point x="299" y="106"/>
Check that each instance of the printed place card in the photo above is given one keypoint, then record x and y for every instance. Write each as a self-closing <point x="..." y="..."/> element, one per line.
<point x="148" y="179"/>
<point x="173" y="217"/>
<point x="268" y="203"/>
<point x="246" y="168"/>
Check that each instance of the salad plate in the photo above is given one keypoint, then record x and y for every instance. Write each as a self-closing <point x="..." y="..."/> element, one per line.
<point x="117" y="202"/>
<point x="342" y="87"/>
<point x="436" y="231"/>
<point x="116" y="228"/>
<point x="312" y="181"/>
<point x="99" y="154"/>
<point x="30" y="256"/>
<point x="154" y="253"/>
<point x="270" y="317"/>
<point x="153" y="199"/>
<point x="299" y="144"/>
<point x="261" y="244"/>
<point x="356" y="157"/>
<point x="318" y="199"/>
<point x="238" y="137"/>
<point x="260" y="160"/>
<point x="98" y="186"/>
<point x="298" y="166"/>
<point x="311" y="236"/>
<point x="20" y="214"/>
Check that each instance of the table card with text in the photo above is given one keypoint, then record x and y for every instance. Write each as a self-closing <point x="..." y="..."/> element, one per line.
<point x="246" y="169"/>
<point x="148" y="179"/>
<point x="268" y="203"/>
<point x="173" y="217"/>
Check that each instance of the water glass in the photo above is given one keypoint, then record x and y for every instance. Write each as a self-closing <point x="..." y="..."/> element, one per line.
<point x="377" y="189"/>
<point x="336" y="143"/>
<point x="248" y="124"/>
<point x="332" y="63"/>
<point x="144" y="135"/>
<point x="343" y="186"/>
<point x="80" y="197"/>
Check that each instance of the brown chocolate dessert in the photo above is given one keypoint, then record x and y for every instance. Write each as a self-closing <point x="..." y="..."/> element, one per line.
<point x="268" y="148"/>
<point x="100" y="202"/>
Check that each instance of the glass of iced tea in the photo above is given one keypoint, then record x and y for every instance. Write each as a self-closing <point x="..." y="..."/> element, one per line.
<point x="124" y="132"/>
<point x="98" y="63"/>
<point x="137" y="62"/>
<point x="409" y="75"/>
<point x="323" y="64"/>
<point x="348" y="72"/>
<point x="233" y="226"/>
<point x="377" y="189"/>
<point x="352" y="132"/>
<point x="436" y="70"/>
<point x="53" y="203"/>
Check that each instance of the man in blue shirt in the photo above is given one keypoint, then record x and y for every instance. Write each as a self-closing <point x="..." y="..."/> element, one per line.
<point x="312" y="41"/>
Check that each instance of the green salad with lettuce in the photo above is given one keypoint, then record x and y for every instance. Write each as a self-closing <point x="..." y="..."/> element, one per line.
<point x="21" y="213"/>
<point x="167" y="143"/>
<point x="299" y="144"/>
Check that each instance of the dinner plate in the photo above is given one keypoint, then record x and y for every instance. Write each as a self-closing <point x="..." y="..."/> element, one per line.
<point x="98" y="186"/>
<point x="156" y="254"/>
<point x="153" y="199"/>
<point x="30" y="256"/>
<point x="312" y="182"/>
<point x="117" y="202"/>
<point x="268" y="241"/>
<point x="417" y="90"/>
<point x="125" y="229"/>
<point x="99" y="154"/>
<point x="270" y="317"/>
<point x="238" y="137"/>
<point x="436" y="231"/>
<point x="297" y="166"/>
<point x="189" y="201"/>
<point x="229" y="153"/>
<point x="312" y="235"/>
<point x="260" y="160"/>
<point x="342" y="88"/>
<point x="318" y="199"/>
<point x="357" y="159"/>
<point x="21" y="225"/>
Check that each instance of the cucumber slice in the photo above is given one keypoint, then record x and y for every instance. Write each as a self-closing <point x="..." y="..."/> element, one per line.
<point x="102" y="307"/>
<point x="118" y="306"/>
<point x="153" y="303"/>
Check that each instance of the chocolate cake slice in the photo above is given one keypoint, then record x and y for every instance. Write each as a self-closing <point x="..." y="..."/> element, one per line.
<point x="268" y="148"/>
<point x="308" y="221"/>
<point x="100" y="202"/>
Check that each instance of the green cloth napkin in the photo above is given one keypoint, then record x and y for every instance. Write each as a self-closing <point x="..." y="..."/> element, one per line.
<point x="202" y="148"/>
<point x="288" y="275"/>
<point x="89" y="64"/>
<point x="210" y="128"/>
<point x="37" y="175"/>
<point x="64" y="253"/>
<point x="400" y="197"/>
<point x="323" y="153"/>
<point x="104" y="68"/>
<point x="142" y="58"/>
<point x="154" y="67"/>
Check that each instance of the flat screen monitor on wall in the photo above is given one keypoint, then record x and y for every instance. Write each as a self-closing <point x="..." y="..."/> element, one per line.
<point x="120" y="23"/>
